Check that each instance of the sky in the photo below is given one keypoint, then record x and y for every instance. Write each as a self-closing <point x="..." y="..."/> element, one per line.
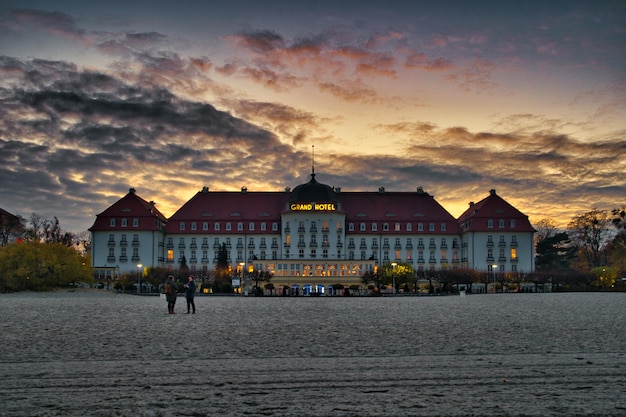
<point x="528" y="98"/>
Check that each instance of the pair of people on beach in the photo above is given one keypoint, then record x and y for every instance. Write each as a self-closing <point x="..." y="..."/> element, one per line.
<point x="171" y="290"/>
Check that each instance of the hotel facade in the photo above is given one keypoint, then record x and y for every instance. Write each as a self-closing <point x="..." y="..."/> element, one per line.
<point x="313" y="236"/>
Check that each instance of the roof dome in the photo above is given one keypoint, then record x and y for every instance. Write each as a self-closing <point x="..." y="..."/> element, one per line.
<point x="312" y="191"/>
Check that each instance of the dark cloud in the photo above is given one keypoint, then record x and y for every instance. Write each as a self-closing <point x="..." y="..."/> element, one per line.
<point x="56" y="23"/>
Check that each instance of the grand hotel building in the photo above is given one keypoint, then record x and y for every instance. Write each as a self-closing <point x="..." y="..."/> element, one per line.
<point x="312" y="236"/>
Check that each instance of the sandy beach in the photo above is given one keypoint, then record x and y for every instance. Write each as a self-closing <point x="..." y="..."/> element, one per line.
<point x="92" y="353"/>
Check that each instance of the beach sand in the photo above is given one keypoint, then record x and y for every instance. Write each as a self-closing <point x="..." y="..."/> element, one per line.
<point x="96" y="353"/>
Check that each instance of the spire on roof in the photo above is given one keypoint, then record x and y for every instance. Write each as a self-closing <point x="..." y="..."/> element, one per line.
<point x="312" y="161"/>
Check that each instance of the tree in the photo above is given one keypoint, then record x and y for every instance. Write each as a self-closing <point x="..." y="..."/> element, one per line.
<point x="605" y="276"/>
<point x="590" y="232"/>
<point x="11" y="227"/>
<point x="554" y="252"/>
<point x="619" y="218"/>
<point x="545" y="228"/>
<point x="41" y="266"/>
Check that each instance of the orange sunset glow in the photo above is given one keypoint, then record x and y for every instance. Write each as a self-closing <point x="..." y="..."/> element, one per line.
<point x="457" y="98"/>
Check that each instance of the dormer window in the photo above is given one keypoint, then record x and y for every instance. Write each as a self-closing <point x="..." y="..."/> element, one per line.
<point x="111" y="222"/>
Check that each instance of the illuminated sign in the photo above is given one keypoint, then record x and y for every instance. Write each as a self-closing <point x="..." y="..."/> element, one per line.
<point x="313" y="207"/>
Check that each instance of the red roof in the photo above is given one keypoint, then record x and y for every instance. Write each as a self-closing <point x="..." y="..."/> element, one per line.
<point x="397" y="207"/>
<point x="130" y="207"/>
<point x="495" y="209"/>
<point x="229" y="206"/>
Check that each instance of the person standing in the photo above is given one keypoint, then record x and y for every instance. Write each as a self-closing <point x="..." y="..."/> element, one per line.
<point x="190" y="292"/>
<point x="171" y="291"/>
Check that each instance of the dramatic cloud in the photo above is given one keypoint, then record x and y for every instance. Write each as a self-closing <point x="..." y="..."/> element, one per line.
<point x="455" y="99"/>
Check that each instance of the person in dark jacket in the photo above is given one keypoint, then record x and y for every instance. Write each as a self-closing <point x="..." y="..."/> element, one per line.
<point x="171" y="291"/>
<point x="190" y="292"/>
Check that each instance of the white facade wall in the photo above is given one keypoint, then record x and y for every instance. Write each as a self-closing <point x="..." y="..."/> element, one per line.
<point x="126" y="249"/>
<point x="510" y="251"/>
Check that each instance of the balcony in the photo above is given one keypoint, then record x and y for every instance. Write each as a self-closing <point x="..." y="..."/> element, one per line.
<point x="111" y="243"/>
<point x="432" y="261"/>
<point x="490" y="244"/>
<point x="205" y="260"/>
<point x="420" y="246"/>
<point x="181" y="246"/>
<point x="239" y="245"/>
<point x="216" y="246"/>
<point x="170" y="245"/>
<point x="111" y="259"/>
<point x="301" y="229"/>
<point x="135" y="259"/>
<point x="502" y="244"/>
<point x="514" y="244"/>
<point x="205" y="246"/>
<point x="193" y="246"/>
<point x="351" y="246"/>
<point x="409" y="246"/>
<point x="363" y="246"/>
<point x="123" y="258"/>
<point x="123" y="243"/>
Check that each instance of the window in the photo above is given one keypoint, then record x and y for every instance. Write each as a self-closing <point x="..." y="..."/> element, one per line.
<point x="240" y="226"/>
<point x="170" y="255"/>
<point x="229" y="226"/>
<point x="420" y="227"/>
<point x="396" y="227"/>
<point x="124" y="222"/>
<point x="512" y="223"/>
<point x="351" y="227"/>
<point x="264" y="226"/>
<point x="374" y="227"/>
<point x="182" y="226"/>
<point x="205" y="226"/>
<point x="217" y="226"/>
<point x="490" y="223"/>
<point x="385" y="227"/>
<point x="409" y="227"/>
<point x="362" y="227"/>
<point x="111" y="222"/>
<point x="251" y="226"/>
<point x="513" y="253"/>
<point x="274" y="226"/>
<point x="431" y="227"/>
<point x="443" y="227"/>
<point x="194" y="226"/>
<point x="501" y="223"/>
<point x="135" y="222"/>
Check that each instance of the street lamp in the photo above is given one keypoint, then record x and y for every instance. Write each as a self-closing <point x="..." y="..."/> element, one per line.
<point x="241" y="264"/>
<point x="139" y="272"/>
<point x="393" y="277"/>
<point x="494" y="267"/>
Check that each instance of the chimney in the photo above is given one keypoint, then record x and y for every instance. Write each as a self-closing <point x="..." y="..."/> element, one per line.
<point x="492" y="191"/>
<point x="205" y="189"/>
<point x="244" y="189"/>
<point x="471" y="204"/>
<point x="131" y="190"/>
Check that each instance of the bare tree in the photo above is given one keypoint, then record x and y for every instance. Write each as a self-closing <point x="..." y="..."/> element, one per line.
<point x="11" y="226"/>
<point x="590" y="232"/>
